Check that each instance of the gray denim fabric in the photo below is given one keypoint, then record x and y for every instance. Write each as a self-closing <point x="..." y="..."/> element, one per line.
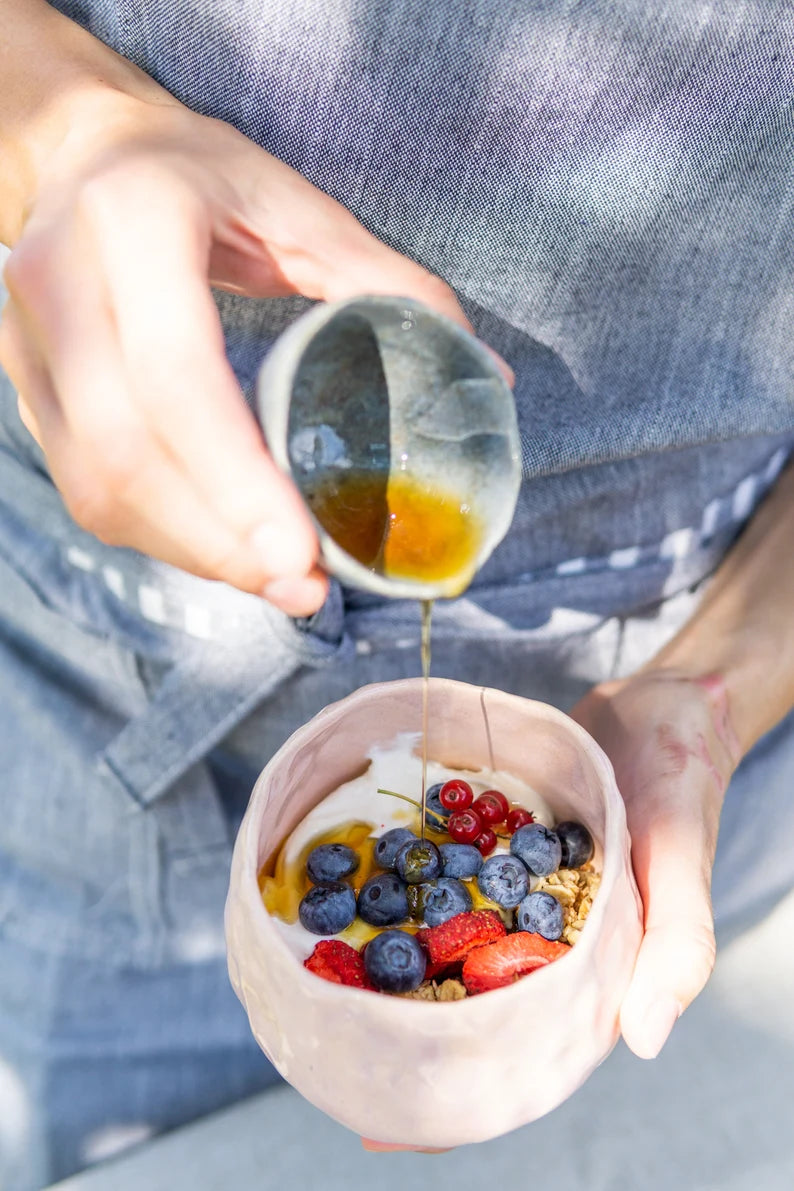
<point x="609" y="189"/>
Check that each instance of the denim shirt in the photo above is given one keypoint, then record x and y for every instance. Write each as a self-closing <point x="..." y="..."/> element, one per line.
<point x="608" y="187"/>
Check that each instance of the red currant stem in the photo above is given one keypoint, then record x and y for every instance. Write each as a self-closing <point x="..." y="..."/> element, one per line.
<point x="404" y="797"/>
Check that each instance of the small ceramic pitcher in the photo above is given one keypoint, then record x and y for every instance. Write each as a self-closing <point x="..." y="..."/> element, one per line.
<point x="384" y="386"/>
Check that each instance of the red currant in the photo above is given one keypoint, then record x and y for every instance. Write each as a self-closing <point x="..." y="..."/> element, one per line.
<point x="464" y="826"/>
<point x="519" y="818"/>
<point x="456" y="795"/>
<point x="485" y="841"/>
<point x="491" y="806"/>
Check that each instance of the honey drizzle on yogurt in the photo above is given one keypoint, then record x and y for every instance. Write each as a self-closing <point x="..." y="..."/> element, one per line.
<point x="363" y="816"/>
<point x="283" y="886"/>
<point x="427" y="612"/>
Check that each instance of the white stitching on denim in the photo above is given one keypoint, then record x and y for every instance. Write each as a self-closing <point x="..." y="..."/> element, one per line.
<point x="80" y="559"/>
<point x="679" y="543"/>
<point x="711" y="516"/>
<point x="744" y="498"/>
<point x="572" y="566"/>
<point x="152" y="604"/>
<point x="623" y="559"/>
<point x="114" y="581"/>
<point x="774" y="466"/>
<point x="197" y="621"/>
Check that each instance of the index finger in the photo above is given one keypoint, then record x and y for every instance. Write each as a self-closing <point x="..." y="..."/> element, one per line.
<point x="173" y="349"/>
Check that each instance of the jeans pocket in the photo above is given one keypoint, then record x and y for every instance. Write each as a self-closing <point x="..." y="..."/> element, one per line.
<point x="85" y="868"/>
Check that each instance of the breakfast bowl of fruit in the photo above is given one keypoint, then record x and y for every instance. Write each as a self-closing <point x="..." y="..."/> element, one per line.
<point x="418" y="919"/>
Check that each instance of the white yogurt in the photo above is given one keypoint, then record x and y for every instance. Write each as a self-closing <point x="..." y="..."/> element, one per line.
<point x="395" y="768"/>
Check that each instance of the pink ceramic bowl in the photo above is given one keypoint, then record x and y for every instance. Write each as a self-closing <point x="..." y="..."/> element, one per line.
<point x="395" y="1069"/>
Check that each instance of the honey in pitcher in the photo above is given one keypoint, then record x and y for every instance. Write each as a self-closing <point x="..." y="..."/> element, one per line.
<point x="399" y="526"/>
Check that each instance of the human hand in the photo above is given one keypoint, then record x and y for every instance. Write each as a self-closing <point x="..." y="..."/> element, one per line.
<point x="114" y="344"/>
<point x="674" y="749"/>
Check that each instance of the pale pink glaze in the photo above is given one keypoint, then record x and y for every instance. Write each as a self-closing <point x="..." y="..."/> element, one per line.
<point x="398" y="1070"/>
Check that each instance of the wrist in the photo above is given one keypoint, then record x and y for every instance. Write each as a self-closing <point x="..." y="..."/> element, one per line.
<point x="757" y="680"/>
<point x="742" y="634"/>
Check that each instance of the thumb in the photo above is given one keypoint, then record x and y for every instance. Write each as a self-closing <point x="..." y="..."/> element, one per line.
<point x="672" y="861"/>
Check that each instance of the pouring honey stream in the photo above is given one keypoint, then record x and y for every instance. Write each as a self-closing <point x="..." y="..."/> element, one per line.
<point x="402" y="528"/>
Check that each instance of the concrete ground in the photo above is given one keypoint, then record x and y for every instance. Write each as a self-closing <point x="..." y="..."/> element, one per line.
<point x="715" y="1112"/>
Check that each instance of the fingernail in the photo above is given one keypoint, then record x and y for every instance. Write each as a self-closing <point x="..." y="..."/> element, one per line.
<point x="382" y="1147"/>
<point x="296" y="597"/>
<point x="277" y="548"/>
<point x="503" y="366"/>
<point x="657" y="1024"/>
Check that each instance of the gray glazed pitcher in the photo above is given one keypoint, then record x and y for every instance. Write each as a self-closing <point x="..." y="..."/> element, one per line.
<point x="386" y="388"/>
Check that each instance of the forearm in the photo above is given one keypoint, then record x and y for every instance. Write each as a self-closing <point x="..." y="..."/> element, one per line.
<point x="53" y="76"/>
<point x="743" y="631"/>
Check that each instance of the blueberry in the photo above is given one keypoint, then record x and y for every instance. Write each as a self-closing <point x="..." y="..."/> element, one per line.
<point x="382" y="900"/>
<point x="576" y="842"/>
<point x="436" y="815"/>
<point x="331" y="862"/>
<point x="395" y="961"/>
<point x="541" y="914"/>
<point x="389" y="844"/>
<point x="443" y="899"/>
<point x="539" y="848"/>
<point x="503" y="879"/>
<point x="460" y="860"/>
<point x="326" y="909"/>
<point x="418" y="860"/>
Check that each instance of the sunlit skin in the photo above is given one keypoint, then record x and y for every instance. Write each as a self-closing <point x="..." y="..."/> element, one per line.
<point x="122" y="207"/>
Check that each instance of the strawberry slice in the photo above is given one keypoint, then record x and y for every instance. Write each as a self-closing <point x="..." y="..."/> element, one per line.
<point x="506" y="960"/>
<point x="454" y="939"/>
<point x="442" y="971"/>
<point x="338" y="962"/>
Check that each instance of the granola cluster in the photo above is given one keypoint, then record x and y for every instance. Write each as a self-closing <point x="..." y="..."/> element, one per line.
<point x="575" y="889"/>
<point x="446" y="990"/>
